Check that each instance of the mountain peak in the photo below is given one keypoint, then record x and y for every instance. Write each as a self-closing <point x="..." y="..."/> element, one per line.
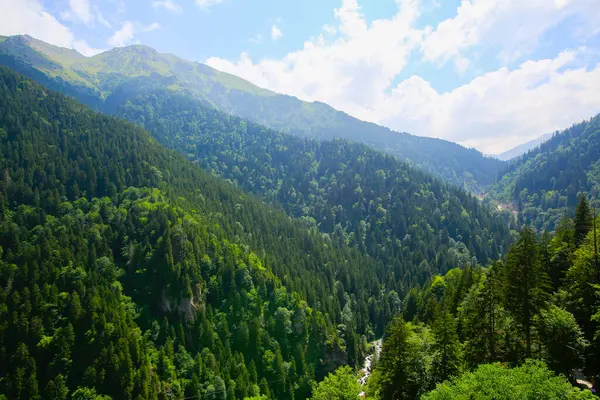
<point x="20" y="44"/>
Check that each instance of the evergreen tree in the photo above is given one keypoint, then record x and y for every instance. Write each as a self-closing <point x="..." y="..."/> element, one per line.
<point x="447" y="348"/>
<point x="526" y="284"/>
<point x="583" y="220"/>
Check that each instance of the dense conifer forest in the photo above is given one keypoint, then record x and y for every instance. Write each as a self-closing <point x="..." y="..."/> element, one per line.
<point x="128" y="271"/>
<point x="170" y="250"/>
<point x="545" y="183"/>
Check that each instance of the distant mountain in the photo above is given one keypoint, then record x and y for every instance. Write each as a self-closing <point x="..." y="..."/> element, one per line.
<point x="544" y="183"/>
<point x="92" y="80"/>
<point x="523" y="148"/>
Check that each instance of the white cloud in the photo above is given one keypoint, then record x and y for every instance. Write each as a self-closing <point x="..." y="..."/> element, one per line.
<point x="127" y="33"/>
<point x="256" y="39"/>
<point x="276" y="32"/>
<point x="168" y="5"/>
<point x="499" y="109"/>
<point x="100" y="17"/>
<point x="208" y="3"/>
<point x="353" y="69"/>
<point x="79" y="10"/>
<point x="492" y="112"/>
<point x="516" y="26"/>
<point x="83" y="11"/>
<point x="123" y="36"/>
<point x="30" y="17"/>
<point x="153" y="26"/>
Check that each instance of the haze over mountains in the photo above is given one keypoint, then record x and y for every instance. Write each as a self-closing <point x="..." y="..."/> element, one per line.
<point x="523" y="148"/>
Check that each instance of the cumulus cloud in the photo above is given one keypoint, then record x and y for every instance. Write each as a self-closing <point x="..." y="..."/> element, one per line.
<point x="123" y="36"/>
<point x="168" y="5"/>
<point x="30" y="17"/>
<point x="493" y="112"/>
<point x="515" y="26"/>
<point x="128" y="31"/>
<point x="499" y="109"/>
<point x="79" y="10"/>
<point x="276" y="32"/>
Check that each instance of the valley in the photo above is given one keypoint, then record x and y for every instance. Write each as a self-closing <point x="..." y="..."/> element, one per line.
<point x="170" y="231"/>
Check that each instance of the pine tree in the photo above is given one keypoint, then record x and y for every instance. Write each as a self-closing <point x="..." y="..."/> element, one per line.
<point x="447" y="348"/>
<point x="583" y="220"/>
<point x="526" y="283"/>
<point x="391" y="378"/>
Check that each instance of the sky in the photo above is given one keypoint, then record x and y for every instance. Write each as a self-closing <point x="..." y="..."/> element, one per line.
<point x="489" y="74"/>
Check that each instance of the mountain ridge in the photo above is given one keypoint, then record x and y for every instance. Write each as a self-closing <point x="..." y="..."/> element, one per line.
<point x="93" y="79"/>
<point x="544" y="183"/>
<point x="523" y="148"/>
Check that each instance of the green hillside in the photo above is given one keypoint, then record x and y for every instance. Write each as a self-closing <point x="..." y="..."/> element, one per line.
<point x="128" y="271"/>
<point x="409" y="220"/>
<point x="474" y="332"/>
<point x="91" y="80"/>
<point x="545" y="183"/>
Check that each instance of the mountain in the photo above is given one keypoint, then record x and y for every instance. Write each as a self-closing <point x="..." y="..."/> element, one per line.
<point x="544" y="183"/>
<point x="94" y="79"/>
<point x="130" y="272"/>
<point x="506" y="314"/>
<point x="358" y="196"/>
<point x="523" y="148"/>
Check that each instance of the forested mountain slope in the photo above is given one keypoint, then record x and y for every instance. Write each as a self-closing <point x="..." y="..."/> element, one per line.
<point x="93" y="79"/>
<point x="128" y="271"/>
<point x="414" y="223"/>
<point x="541" y="302"/>
<point x="544" y="183"/>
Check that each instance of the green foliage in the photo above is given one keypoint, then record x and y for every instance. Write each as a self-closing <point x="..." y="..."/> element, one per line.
<point x="527" y="285"/>
<point x="126" y="270"/>
<point x="507" y="313"/>
<point x="339" y="385"/>
<point x="404" y="368"/>
<point x="562" y="338"/>
<point x="583" y="220"/>
<point x="533" y="380"/>
<point x="545" y="183"/>
<point x="356" y="195"/>
<point x="447" y="348"/>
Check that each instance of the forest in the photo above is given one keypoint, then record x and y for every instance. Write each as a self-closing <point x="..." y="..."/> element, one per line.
<point x="363" y="198"/>
<point x="169" y="250"/>
<point x="129" y="272"/>
<point x="544" y="183"/>
<point x="522" y="327"/>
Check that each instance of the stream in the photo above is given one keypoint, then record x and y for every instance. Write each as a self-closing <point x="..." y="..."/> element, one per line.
<point x="366" y="370"/>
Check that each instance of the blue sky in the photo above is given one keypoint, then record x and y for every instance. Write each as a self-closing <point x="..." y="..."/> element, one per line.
<point x="484" y="73"/>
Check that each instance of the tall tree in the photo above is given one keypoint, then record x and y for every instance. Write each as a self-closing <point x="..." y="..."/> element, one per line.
<point x="447" y="348"/>
<point x="392" y="378"/>
<point x="583" y="219"/>
<point x="562" y="338"/>
<point x="526" y="283"/>
<point x="481" y="317"/>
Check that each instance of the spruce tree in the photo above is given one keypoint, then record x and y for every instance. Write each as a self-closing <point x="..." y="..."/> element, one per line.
<point x="583" y="220"/>
<point x="446" y="362"/>
<point x="526" y="283"/>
